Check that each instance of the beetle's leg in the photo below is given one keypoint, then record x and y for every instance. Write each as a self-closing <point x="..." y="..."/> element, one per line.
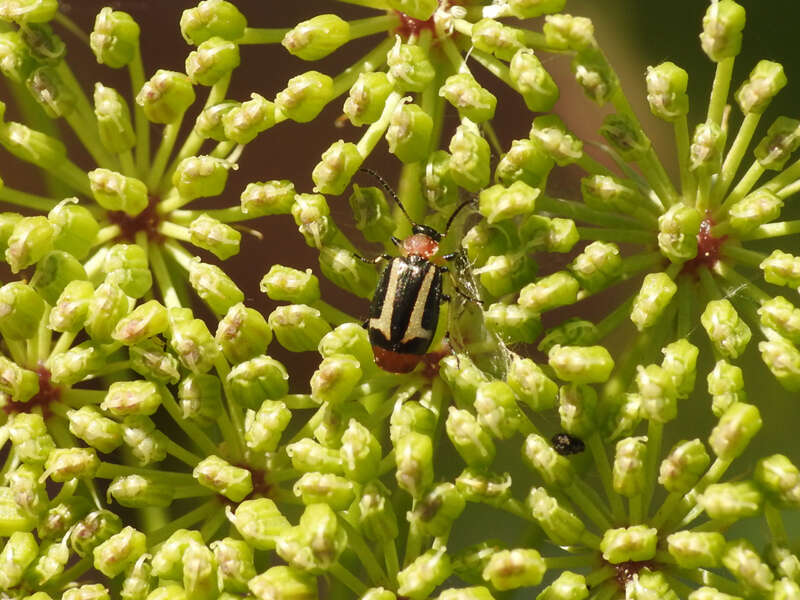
<point x="466" y="295"/>
<point x="375" y="260"/>
<point x="397" y="241"/>
<point x="445" y="298"/>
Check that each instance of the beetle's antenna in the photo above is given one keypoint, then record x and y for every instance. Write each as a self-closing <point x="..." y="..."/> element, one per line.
<point x="389" y="189"/>
<point x="455" y="212"/>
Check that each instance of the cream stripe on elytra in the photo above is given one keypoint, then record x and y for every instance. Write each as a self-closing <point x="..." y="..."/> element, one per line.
<point x="415" y="330"/>
<point x="384" y="322"/>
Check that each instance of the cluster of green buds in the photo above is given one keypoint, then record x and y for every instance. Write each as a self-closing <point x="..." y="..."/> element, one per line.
<point x="150" y="446"/>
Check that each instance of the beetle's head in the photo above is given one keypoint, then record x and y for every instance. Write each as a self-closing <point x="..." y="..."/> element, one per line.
<point x="425" y="230"/>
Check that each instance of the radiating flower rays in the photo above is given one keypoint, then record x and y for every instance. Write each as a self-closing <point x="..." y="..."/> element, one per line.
<point x="232" y="487"/>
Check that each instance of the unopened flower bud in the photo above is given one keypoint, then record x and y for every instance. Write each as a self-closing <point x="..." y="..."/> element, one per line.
<point x="32" y="146"/>
<point x="147" y="444"/>
<point x="561" y="525"/>
<point x="212" y="18"/>
<point x="526" y="161"/>
<point x="705" y="153"/>
<point x="435" y="513"/>
<point x="54" y="272"/>
<point x="92" y="530"/>
<point x="286" y="583"/>
<point x="115" y="191"/>
<point x="16" y="60"/>
<point x="780" y="479"/>
<point x="497" y="409"/>
<point x="214" y="59"/>
<point x="242" y="123"/>
<point x="666" y="91"/>
<point x="678" y="228"/>
<point x="28" y="435"/>
<point x="305" y="96"/>
<point x="421" y="577"/>
<point x="115" y="38"/>
<point x="274" y="197"/>
<point x="653" y="298"/>
<point x="138" y="491"/>
<point x="166" y="96"/>
<point x="72" y="366"/>
<point x="722" y="30"/>
<point x="113" y="119"/>
<point x="731" y="501"/>
<point x="49" y="90"/>
<point x="409" y="67"/>
<point x="757" y="208"/>
<point x="765" y="81"/>
<point x="414" y="457"/>
<point x="367" y="98"/>
<point x="317" y="37"/>
<point x="745" y="564"/>
<point x="235" y="483"/>
<point x="119" y="552"/>
<point x="19" y="551"/>
<point x="201" y="177"/>
<point x="781" y="268"/>
<point x="299" y="328"/>
<point x="243" y="333"/>
<point x="259" y="522"/>
<point x="780" y="314"/>
<point x="494" y="37"/>
<point x="506" y="273"/>
<point x="409" y="133"/>
<point x="338" y="165"/>
<point x="735" y="430"/>
<point x="131" y="398"/>
<point x="657" y="392"/>
<point x="554" y="469"/>
<point x="30" y="240"/>
<point x="256" y="379"/>
<point x="727" y="331"/>
<point x="150" y="360"/>
<point x="637" y="542"/>
<point x="21" y="310"/>
<point x="463" y="378"/>
<point x="511" y="569"/>
<point x="551" y="135"/>
<point x="469" y="161"/>
<point x="93" y="428"/>
<point x="470" y="99"/>
<point x="416" y="9"/>
<point x="532" y="81"/>
<point x="581" y="364"/>
<point x="214" y="286"/>
<point x="64" y="464"/>
<point x="782" y="138"/>
<point x="195" y="346"/>
<point x="372" y="214"/>
<point x="513" y="323"/>
<point x="341" y="267"/>
<point x="531" y="385"/>
<point x="235" y="560"/>
<point x="597" y="266"/>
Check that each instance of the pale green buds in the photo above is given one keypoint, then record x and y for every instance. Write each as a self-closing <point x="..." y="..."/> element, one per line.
<point x="74" y="227"/>
<point x="727" y="331"/>
<point x="705" y="152"/>
<point x="201" y="177"/>
<point x="235" y="483"/>
<point x="212" y="18"/>
<point x="552" y="291"/>
<point x="147" y="444"/>
<point x="243" y="334"/>
<point x="377" y="519"/>
<point x="657" y="392"/>
<point x="421" y="577"/>
<point x="435" y="513"/>
<point x="70" y="367"/>
<point x="193" y="343"/>
<point x="416" y="9"/>
<point x="309" y="456"/>
<point x="305" y="96"/>
<point x="606" y="192"/>
<point x="409" y="67"/>
<point x="597" y="266"/>
<point x="468" y="97"/>
<point x="637" y="542"/>
<point x="150" y="360"/>
<point x="552" y="136"/>
<point x="274" y="197"/>
<point x="29" y="436"/>
<point x="367" y="98"/>
<point x="298" y="328"/>
<point x="119" y="552"/>
<point x="235" y="560"/>
<point x="20" y="384"/>
<point x="469" y="438"/>
<point x="696" y="549"/>
<point x="561" y="525"/>
<point x="32" y="146"/>
<point x="341" y="267"/>
<point x="525" y="161"/>
<point x="30" y="240"/>
<point x="214" y="287"/>
<point x="780" y="314"/>
<point x="94" y="529"/>
<point x="781" y="268"/>
<point x="21" y="310"/>
<point x="680" y="360"/>
<point x="766" y="80"/>
<point x="581" y="364"/>
<point x="326" y="488"/>
<point x="256" y="379"/>
<point x="167" y="560"/>
<point x="469" y="160"/>
<point x="26" y="12"/>
<point x="16" y="61"/>
<point x="567" y="586"/>
<point x="166" y="96"/>
<point x="666" y="91"/>
<point x="351" y="339"/>
<point x="335" y="379"/>
<point x="780" y="479"/>
<point x="782" y="138"/>
<point x="652" y="584"/>
<point x="571" y="332"/>
<point x="317" y="37"/>
<point x="242" y="123"/>
<point x="783" y="359"/>
<point x="506" y="274"/>
<point x="411" y="417"/>
<point x="49" y="90"/>
<point x="263" y="428"/>
<point x="494" y="37"/>
<point x="360" y="452"/>
<point x="259" y="522"/>
<point x="487" y="488"/>
<point x="629" y="466"/>
<point x="497" y="409"/>
<point x="209" y="123"/>
<point x="113" y="119"/>
<point x="284" y="583"/>
<point x="722" y="30"/>
<point x="338" y="165"/>
<point x="19" y="552"/>
<point x="93" y="428"/>
<point x="678" y="228"/>
<point x="726" y="386"/>
<point x="372" y="214"/>
<point x="565" y="32"/>
<point x="126" y="266"/>
<point x="214" y="59"/>
<point x="316" y="543"/>
<point x="145" y="321"/>
<point x="498" y="203"/>
<point x="463" y="378"/>
<point x="625" y="136"/>
<point x="653" y="298"/>
<point x="532" y="81"/>
<point x="731" y="501"/>
<point x="409" y="133"/>
<point x="414" y="457"/>
<point x="745" y="564"/>
<point x="554" y="469"/>
<point x="531" y="385"/>
<point x="513" y="323"/>
<point x="131" y="398"/>
<point x="107" y="306"/>
<point x="510" y="569"/>
<point x="577" y="409"/>
<point x="757" y="208"/>
<point x="64" y="464"/>
<point x="115" y="38"/>
<point x="735" y="430"/>
<point x="200" y="575"/>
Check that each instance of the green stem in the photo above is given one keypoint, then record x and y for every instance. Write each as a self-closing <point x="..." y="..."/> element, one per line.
<point x="685" y="307"/>
<point x="751" y="258"/>
<point x="595" y="444"/>
<point x="374" y="59"/>
<point x="230" y="214"/>
<point x="26" y="200"/>
<point x="570" y="562"/>
<point x="194" y="433"/>
<point x="364" y="552"/>
<point x="496" y="67"/>
<point x="234" y="410"/>
<point x="263" y="35"/>
<point x="141" y="124"/>
<point x="741" y="189"/>
<point x="163" y="278"/>
<point x="682" y="143"/>
<point x="331" y="314"/>
<point x="375" y="131"/>
<point x="615" y="318"/>
<point x="372" y="25"/>
<point x="348" y="579"/>
<point x="719" y="90"/>
<point x="174" y="231"/>
<point x="777" y="529"/>
<point x="740" y="282"/>
<point x="735" y="155"/>
<point x="185" y="521"/>
<point x="772" y="230"/>
<point x="580" y="212"/>
<point x="616" y="235"/>
<point x="655" y="435"/>
<point x="168" y="137"/>
<point x="108" y="470"/>
<point x="212" y="524"/>
<point x="587" y="504"/>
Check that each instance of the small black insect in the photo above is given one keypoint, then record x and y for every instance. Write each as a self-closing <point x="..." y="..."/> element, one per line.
<point x="566" y="444"/>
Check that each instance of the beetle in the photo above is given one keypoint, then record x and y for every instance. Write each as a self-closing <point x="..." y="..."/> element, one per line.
<point x="566" y="444"/>
<point x="404" y="310"/>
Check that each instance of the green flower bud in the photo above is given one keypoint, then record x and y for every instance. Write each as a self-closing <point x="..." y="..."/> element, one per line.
<point x="653" y="298"/>
<point x="131" y="398"/>
<point x="637" y="542"/>
<point x="338" y="165"/>
<point x="731" y="501"/>
<point x="305" y="96"/>
<point x="200" y="579"/>
<point x="467" y="593"/>
<point x="168" y="559"/>
<point x="581" y="364"/>
<point x="705" y="153"/>
<point x="562" y="235"/>
<point x="166" y="96"/>
<point x="744" y="563"/>
<point x="259" y="522"/>
<point x="765" y="81"/>
<point x="367" y="98"/>
<point x="757" y="208"/>
<point x="497" y="203"/>
<point x="72" y="366"/>
<point x="335" y="379"/>
<point x="513" y="323"/>
<point x="115" y="38"/>
<point x="201" y="177"/>
<point x="553" y="468"/>
<point x="666" y="91"/>
<point x="506" y="273"/>
<point x="657" y="393"/>
<point x="409" y="67"/>
<point x="48" y="565"/>
<point x="680" y="359"/>
<point x="18" y="383"/>
<point x="781" y="268"/>
<point x="168" y="591"/>
<point x="316" y="543"/>
<point x="32" y="146"/>
<point x="75" y="230"/>
<point x="21" y="310"/>
<point x="483" y="240"/>
<point x="779" y="478"/>
<point x="492" y="36"/>
<point x="214" y="59"/>
<point x="726" y="385"/>
<point x="243" y="334"/>
<point x="651" y="584"/>
<point x="113" y="119"/>
<point x="469" y="438"/>
<point x="30" y="240"/>
<point x="600" y="83"/>
<point x="409" y="133"/>
<point x="93" y="428"/>
<point x="235" y="560"/>
<point x="469" y="161"/>
<point x="372" y="214"/>
<point x="209" y="123"/>
<point x="435" y="513"/>
<point x="511" y="569"/>
<point x="13" y="518"/>
<point x="609" y="193"/>
<point x="524" y="162"/>
<point x="25" y="12"/>
<point x="299" y="328"/>
<point x="19" y="552"/>
<point x="629" y="466"/>
<point x="317" y="37"/>
<point x="92" y="530"/>
<point x="263" y="428"/>
<point x="223" y="478"/>
<point x="126" y="266"/>
<point x="377" y="519"/>
<point x="107" y="306"/>
<point x="48" y="89"/>
<point x="138" y="491"/>
<point x="470" y="99"/>
<point x="722" y="30"/>
<point x="625" y="136"/>
<point x="735" y="430"/>
<point x="578" y="409"/>
<point x="59" y="518"/>
<point x="572" y="332"/>
<point x="212" y="18"/>
<point x="552" y="291"/>
<point x="567" y="586"/>
<point x="27" y="488"/>
<point x="214" y="286"/>
<point x="414" y="458"/>
<point x="360" y="452"/>
<point x="326" y="488"/>
<point x="783" y="138"/>
<point x="274" y="197"/>
<point x="783" y="561"/>
<point x="16" y="61"/>
<point x="597" y="266"/>
<point x="311" y="214"/>
<point x="244" y="122"/>
<point x="463" y="378"/>
<point x="421" y="10"/>
<point x="678" y="228"/>
<point x="565" y="32"/>
<point x="532" y="81"/>
<point x="780" y="314"/>
<point x="561" y="525"/>
<point x="195" y="346"/>
<point x="438" y="186"/>
<point x="351" y="339"/>
<point x="497" y="409"/>
<point x="28" y="434"/>
<point x="531" y="385"/>
<point x="151" y="361"/>
<point x="147" y="444"/>
<point x="256" y="379"/>
<point x="145" y="321"/>
<point x="284" y="583"/>
<point x="422" y="576"/>
<point x="727" y="331"/>
<point x="342" y="268"/>
<point x="7" y="222"/>
<point x="785" y="589"/>
<point x="550" y="134"/>
<point x="696" y="549"/>
<point x="411" y="417"/>
<point x="64" y="464"/>
<point x="119" y="552"/>
<point x="309" y="456"/>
